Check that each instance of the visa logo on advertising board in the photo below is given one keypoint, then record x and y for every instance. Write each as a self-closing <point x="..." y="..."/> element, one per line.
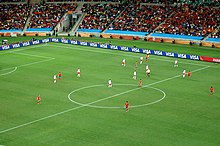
<point x="55" y="40"/>
<point x="73" y="42"/>
<point x="16" y="45"/>
<point x="93" y="44"/>
<point x="103" y="46"/>
<point x="216" y="60"/>
<point x="45" y="40"/>
<point x="181" y="55"/>
<point x="114" y="47"/>
<point x="83" y="43"/>
<point x="194" y="57"/>
<point x="158" y="52"/>
<point x="6" y="47"/>
<point x="135" y="50"/>
<point x="35" y="42"/>
<point x="26" y="44"/>
<point x="171" y="54"/>
<point x="64" y="41"/>
<point x="124" y="48"/>
<point x="146" y="51"/>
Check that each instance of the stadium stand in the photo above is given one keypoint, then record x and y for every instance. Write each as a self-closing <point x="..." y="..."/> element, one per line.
<point x="216" y="35"/>
<point x="83" y="0"/>
<point x="15" y="16"/>
<point x="143" y="18"/>
<point x="159" y="20"/>
<point x="214" y="3"/>
<point x="48" y="15"/>
<point x="158" y="1"/>
<point x="192" y="21"/>
<point x="12" y="1"/>
<point x="99" y="16"/>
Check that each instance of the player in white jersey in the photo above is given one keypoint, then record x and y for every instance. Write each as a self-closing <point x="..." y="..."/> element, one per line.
<point x="78" y="72"/>
<point x="175" y="63"/>
<point x="135" y="75"/>
<point x="54" y="78"/>
<point x="123" y="62"/>
<point x="147" y="67"/>
<point x="109" y="83"/>
<point x="148" y="72"/>
<point x="141" y="59"/>
<point x="184" y="73"/>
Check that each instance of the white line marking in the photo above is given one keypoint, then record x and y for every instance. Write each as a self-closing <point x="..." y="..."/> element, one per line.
<point x="7" y="68"/>
<point x="28" y="64"/>
<point x="134" y="106"/>
<point x="36" y="62"/>
<point x="15" y="68"/>
<point x="143" y="86"/>
<point x="15" y="52"/>
<point x="53" y="115"/>
<point x="104" y="52"/>
<point x="31" y="55"/>
<point x="19" y="49"/>
<point x="22" y="125"/>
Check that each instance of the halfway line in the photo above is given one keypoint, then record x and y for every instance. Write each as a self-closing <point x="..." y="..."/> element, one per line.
<point x="41" y="119"/>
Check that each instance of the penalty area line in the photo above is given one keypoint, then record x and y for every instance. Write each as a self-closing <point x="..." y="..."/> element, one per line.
<point x="60" y="113"/>
<point x="15" y="68"/>
<point x="28" y="64"/>
<point x="31" y="55"/>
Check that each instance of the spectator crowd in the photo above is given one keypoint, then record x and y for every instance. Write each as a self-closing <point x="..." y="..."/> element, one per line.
<point x="99" y="16"/>
<point x="138" y="15"/>
<point x="48" y="15"/>
<point x="13" y="16"/>
<point x="191" y="20"/>
<point x="143" y="18"/>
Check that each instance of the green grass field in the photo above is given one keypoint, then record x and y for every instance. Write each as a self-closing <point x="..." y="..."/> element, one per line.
<point x="167" y="111"/>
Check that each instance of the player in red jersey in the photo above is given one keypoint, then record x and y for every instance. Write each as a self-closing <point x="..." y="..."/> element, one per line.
<point x="59" y="75"/>
<point x="126" y="106"/>
<point x="140" y="83"/>
<point x="189" y="74"/>
<point x="136" y="64"/>
<point x="147" y="56"/>
<point x="38" y="99"/>
<point x="211" y="90"/>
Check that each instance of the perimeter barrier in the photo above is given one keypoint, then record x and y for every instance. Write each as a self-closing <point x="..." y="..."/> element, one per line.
<point x="109" y="46"/>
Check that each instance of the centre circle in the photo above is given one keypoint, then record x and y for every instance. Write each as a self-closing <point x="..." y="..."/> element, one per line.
<point x="133" y="106"/>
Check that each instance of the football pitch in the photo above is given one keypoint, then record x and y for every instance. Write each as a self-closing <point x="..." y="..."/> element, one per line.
<point x="168" y="110"/>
